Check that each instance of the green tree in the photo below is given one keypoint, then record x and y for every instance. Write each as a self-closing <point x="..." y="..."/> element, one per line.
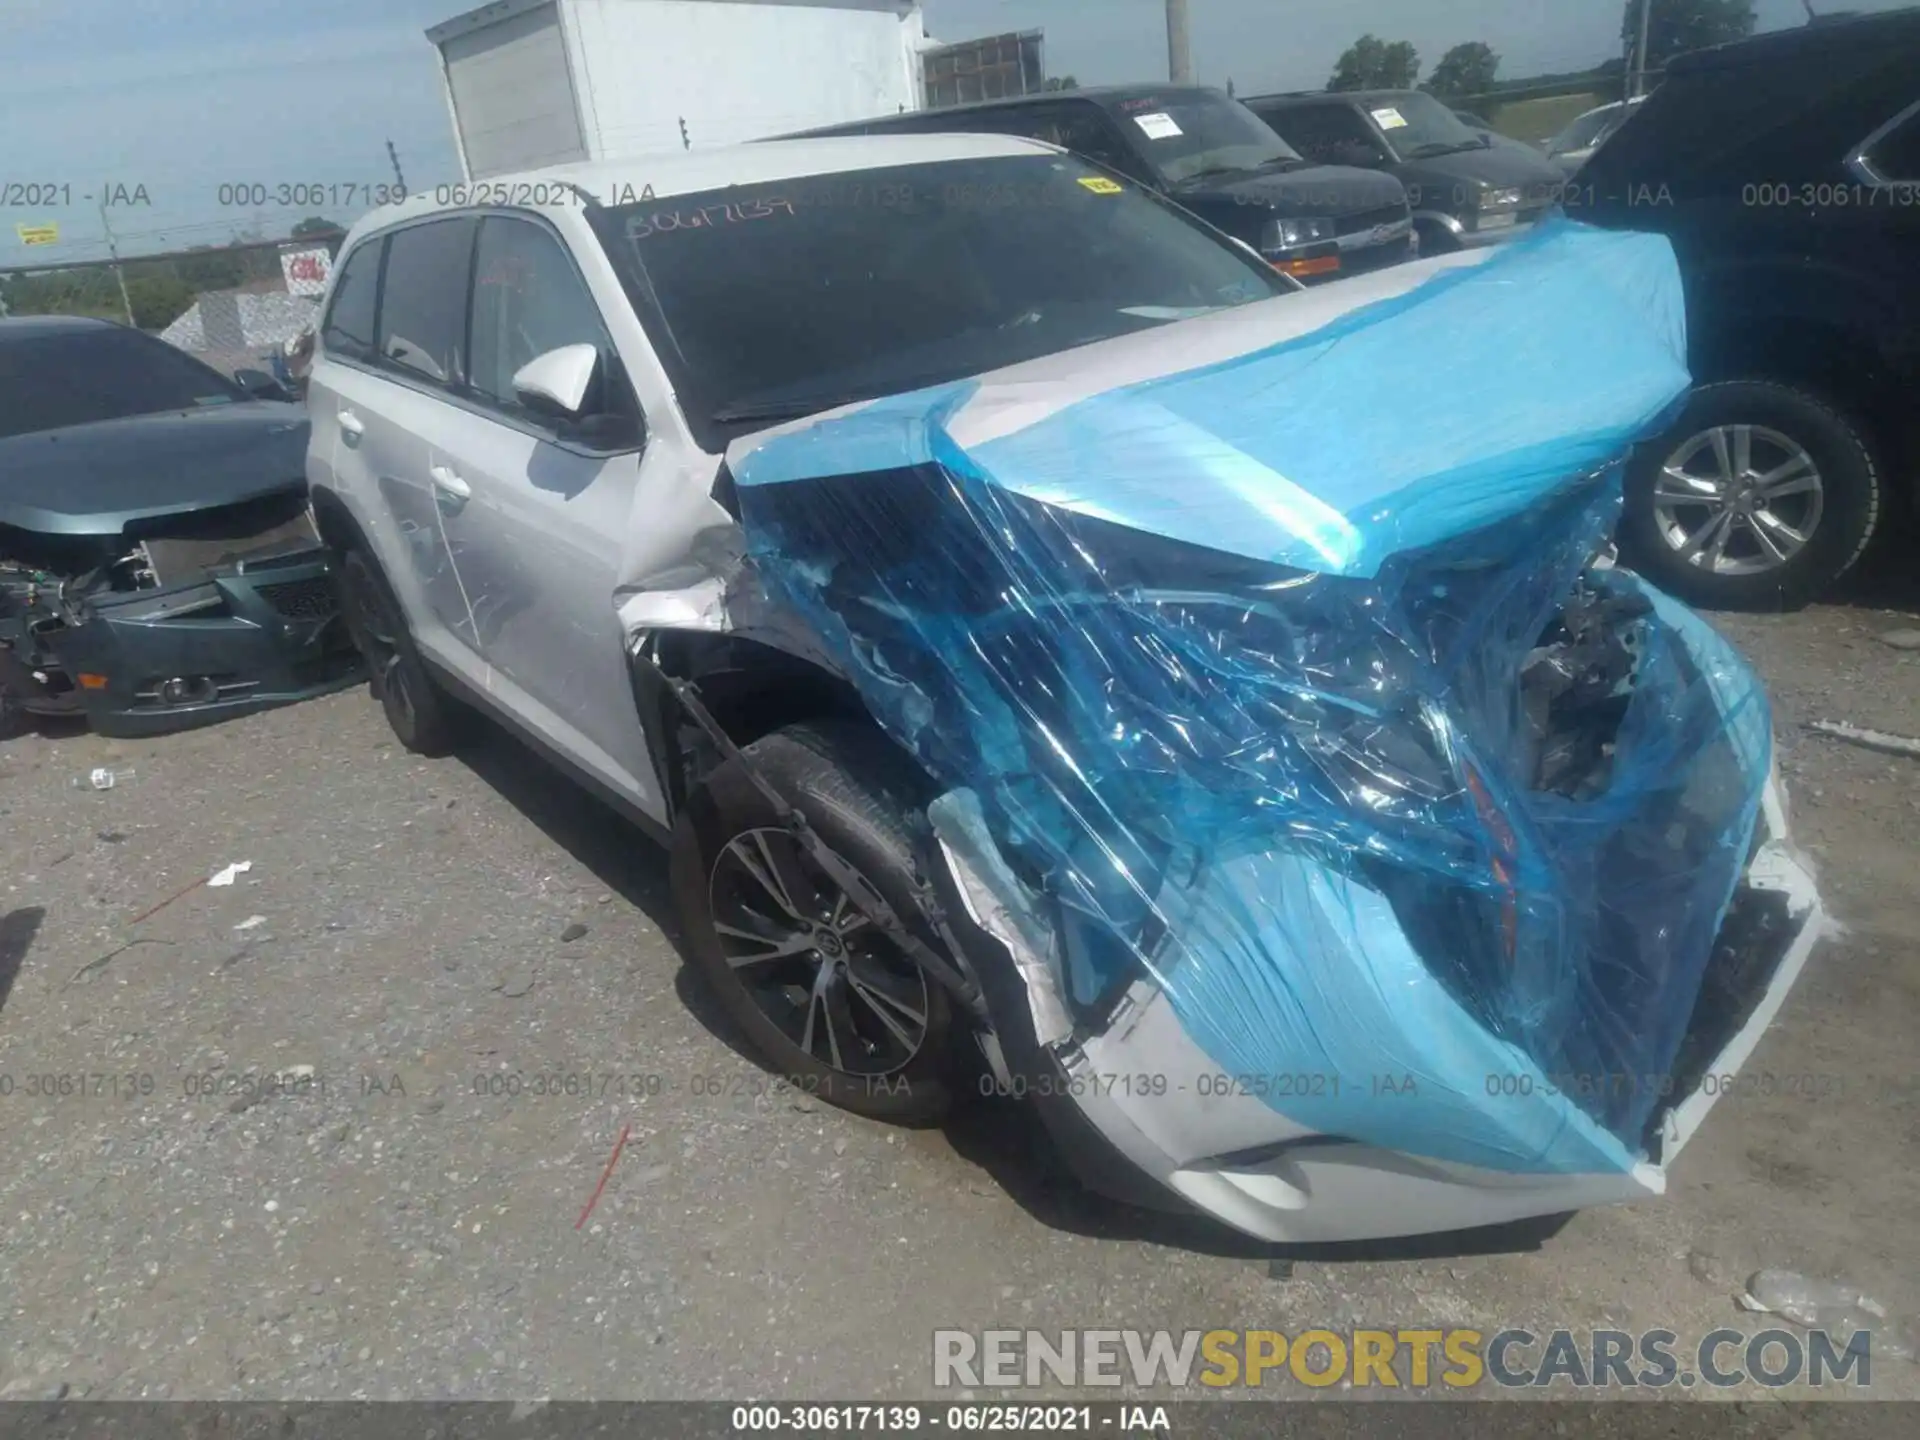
<point x="207" y="268"/>
<point x="317" y="225"/>
<point x="1468" y="69"/>
<point x="158" y="300"/>
<point x="1370" y="63"/>
<point x="1678" y="26"/>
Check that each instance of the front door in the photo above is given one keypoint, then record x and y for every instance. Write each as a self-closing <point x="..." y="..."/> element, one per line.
<point x="543" y="507"/>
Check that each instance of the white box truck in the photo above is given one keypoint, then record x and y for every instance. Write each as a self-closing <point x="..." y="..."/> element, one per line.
<point x="543" y="82"/>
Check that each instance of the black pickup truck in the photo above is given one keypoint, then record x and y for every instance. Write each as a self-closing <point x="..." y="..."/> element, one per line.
<point x="1211" y="156"/>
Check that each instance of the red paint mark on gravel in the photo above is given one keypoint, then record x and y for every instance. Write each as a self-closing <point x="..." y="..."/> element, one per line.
<point x="605" y="1174"/>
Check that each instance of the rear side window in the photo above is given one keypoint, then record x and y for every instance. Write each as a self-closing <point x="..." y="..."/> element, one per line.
<point x="348" y="331"/>
<point x="423" y="306"/>
<point x="1895" y="156"/>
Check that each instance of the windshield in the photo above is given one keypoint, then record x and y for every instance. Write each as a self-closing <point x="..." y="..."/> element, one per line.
<point x="79" y="377"/>
<point x="1588" y="129"/>
<point x="1188" y="135"/>
<point x="1417" y="126"/>
<point x="777" y="300"/>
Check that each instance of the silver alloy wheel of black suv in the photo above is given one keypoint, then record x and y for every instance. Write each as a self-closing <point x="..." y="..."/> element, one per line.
<point x="1760" y="497"/>
<point x="1738" y="499"/>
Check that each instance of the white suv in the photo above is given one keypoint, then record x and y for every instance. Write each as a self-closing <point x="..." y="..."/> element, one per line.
<point x="672" y="467"/>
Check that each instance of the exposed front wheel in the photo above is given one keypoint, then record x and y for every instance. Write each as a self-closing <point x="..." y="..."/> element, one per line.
<point x="827" y="998"/>
<point x="424" y="717"/>
<point x="1758" y="499"/>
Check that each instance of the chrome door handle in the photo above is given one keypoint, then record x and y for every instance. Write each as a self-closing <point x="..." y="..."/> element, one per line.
<point x="449" y="484"/>
<point x="350" y="425"/>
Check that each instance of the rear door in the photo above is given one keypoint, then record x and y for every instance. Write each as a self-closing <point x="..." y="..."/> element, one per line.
<point x="543" y="506"/>
<point x="392" y="353"/>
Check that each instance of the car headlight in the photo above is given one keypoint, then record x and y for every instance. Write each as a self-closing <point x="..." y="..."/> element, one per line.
<point x="1288" y="234"/>
<point x="1500" y="199"/>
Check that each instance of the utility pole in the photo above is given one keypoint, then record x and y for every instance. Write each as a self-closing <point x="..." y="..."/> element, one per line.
<point x="114" y="250"/>
<point x="1179" y="47"/>
<point x="1640" y="52"/>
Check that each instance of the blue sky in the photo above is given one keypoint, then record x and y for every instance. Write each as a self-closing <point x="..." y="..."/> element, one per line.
<point x="182" y="96"/>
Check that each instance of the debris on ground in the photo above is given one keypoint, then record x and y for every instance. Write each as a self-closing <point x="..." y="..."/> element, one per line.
<point x="1866" y="739"/>
<point x="251" y="922"/>
<point x="1810" y="1304"/>
<point x="104" y="960"/>
<point x="219" y="877"/>
<point x="515" y="984"/>
<point x="1902" y="639"/>
<point x="572" y="933"/>
<point x="101" y="778"/>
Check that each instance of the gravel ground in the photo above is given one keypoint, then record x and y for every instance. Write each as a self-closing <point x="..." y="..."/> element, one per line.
<point x="377" y="1227"/>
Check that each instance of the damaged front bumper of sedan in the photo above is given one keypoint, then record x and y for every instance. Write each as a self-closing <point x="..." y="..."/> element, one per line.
<point x="1345" y="847"/>
<point x="176" y="623"/>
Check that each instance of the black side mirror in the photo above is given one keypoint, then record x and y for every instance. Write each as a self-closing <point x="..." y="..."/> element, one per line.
<point x="260" y="385"/>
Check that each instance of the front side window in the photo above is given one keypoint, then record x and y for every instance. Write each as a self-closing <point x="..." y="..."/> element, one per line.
<point x="348" y="329"/>
<point x="423" y="304"/>
<point x="777" y="300"/>
<point x="529" y="299"/>
<point x="87" y="375"/>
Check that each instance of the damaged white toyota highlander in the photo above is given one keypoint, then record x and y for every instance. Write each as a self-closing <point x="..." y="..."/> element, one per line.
<point x="1068" y="660"/>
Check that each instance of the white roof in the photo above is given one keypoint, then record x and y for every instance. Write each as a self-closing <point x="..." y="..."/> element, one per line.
<point x="684" y="172"/>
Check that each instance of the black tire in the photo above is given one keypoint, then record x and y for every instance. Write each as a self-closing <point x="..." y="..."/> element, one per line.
<point x="426" y="719"/>
<point x="1435" y="239"/>
<point x="1851" y="499"/>
<point x="856" y="790"/>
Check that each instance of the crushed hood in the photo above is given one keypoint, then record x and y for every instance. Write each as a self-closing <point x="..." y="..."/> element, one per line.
<point x="1325" y="430"/>
<point x="1260" y="641"/>
<point x="97" y="479"/>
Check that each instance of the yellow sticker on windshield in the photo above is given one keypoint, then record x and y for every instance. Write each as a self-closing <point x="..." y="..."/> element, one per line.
<point x="1100" y="185"/>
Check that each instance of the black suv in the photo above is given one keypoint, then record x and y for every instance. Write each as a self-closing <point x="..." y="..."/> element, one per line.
<point x="1466" y="188"/>
<point x="1206" y="152"/>
<point x="1786" y="171"/>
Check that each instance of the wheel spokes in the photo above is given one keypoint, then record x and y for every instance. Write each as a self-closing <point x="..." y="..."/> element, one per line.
<point x="889" y="1011"/>
<point x="1676" y="487"/>
<point x="1775" y="552"/>
<point x="1709" y="542"/>
<point x="1796" y="477"/>
<point x="767" y="947"/>
<point x="759" y="863"/>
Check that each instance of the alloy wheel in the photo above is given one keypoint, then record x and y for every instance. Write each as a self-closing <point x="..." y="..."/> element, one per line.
<point x="379" y="642"/>
<point x="1738" y="499"/>
<point x="812" y="963"/>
